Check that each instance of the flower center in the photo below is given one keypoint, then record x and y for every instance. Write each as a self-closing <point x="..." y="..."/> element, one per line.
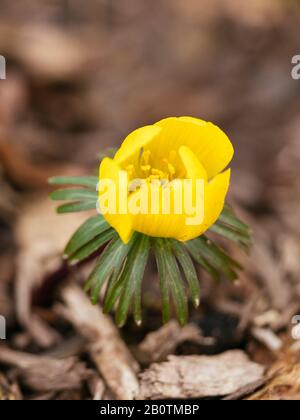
<point x="164" y="169"/>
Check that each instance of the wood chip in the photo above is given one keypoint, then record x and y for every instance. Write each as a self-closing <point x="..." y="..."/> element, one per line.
<point x="199" y="376"/>
<point x="61" y="374"/>
<point x="157" y="345"/>
<point x="247" y="390"/>
<point x="108" y="351"/>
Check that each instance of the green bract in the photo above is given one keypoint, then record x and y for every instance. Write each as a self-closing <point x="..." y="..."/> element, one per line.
<point x="120" y="267"/>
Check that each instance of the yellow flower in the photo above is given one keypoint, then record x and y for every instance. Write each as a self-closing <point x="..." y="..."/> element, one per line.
<point x="174" y="149"/>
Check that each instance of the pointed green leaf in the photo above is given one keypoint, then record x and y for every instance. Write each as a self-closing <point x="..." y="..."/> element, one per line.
<point x="229" y="218"/>
<point x="137" y="306"/>
<point x="110" y="261"/>
<point x="170" y="272"/>
<point x="113" y="290"/>
<point x="163" y="282"/>
<point x="188" y="268"/>
<point x="243" y="240"/>
<point x="77" y="207"/>
<point x="91" y="247"/>
<point x="132" y="277"/>
<point x="194" y="251"/>
<point x="103" y="265"/>
<point x="74" y="194"/>
<point x="93" y="227"/>
<point x="216" y="257"/>
<point x="217" y="250"/>
<point x="83" y="181"/>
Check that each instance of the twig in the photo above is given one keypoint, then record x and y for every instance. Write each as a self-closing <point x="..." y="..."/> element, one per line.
<point x="109" y="353"/>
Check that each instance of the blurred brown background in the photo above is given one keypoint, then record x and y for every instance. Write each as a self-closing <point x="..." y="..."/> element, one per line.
<point x="82" y="74"/>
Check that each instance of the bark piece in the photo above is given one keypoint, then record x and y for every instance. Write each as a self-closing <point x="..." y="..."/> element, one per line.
<point x="44" y="373"/>
<point x="199" y="376"/>
<point x="247" y="390"/>
<point x="157" y="345"/>
<point x="46" y="396"/>
<point x="108" y="351"/>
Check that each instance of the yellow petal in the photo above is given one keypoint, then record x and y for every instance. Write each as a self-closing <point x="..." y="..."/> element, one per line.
<point x="135" y="142"/>
<point x="194" y="169"/>
<point x="207" y="141"/>
<point x="214" y="200"/>
<point x="193" y="120"/>
<point x="158" y="225"/>
<point x="215" y="197"/>
<point x="122" y="223"/>
<point x="208" y="204"/>
<point x="201" y="151"/>
<point x="175" y="225"/>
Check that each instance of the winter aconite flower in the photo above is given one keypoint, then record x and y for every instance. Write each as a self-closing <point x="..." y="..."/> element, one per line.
<point x="159" y="164"/>
<point x="162" y="192"/>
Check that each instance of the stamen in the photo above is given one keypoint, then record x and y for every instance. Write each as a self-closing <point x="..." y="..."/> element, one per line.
<point x="164" y="175"/>
<point x="171" y="169"/>
<point x="130" y="170"/>
<point x="146" y="157"/>
<point x="157" y="172"/>
<point x="146" y="168"/>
